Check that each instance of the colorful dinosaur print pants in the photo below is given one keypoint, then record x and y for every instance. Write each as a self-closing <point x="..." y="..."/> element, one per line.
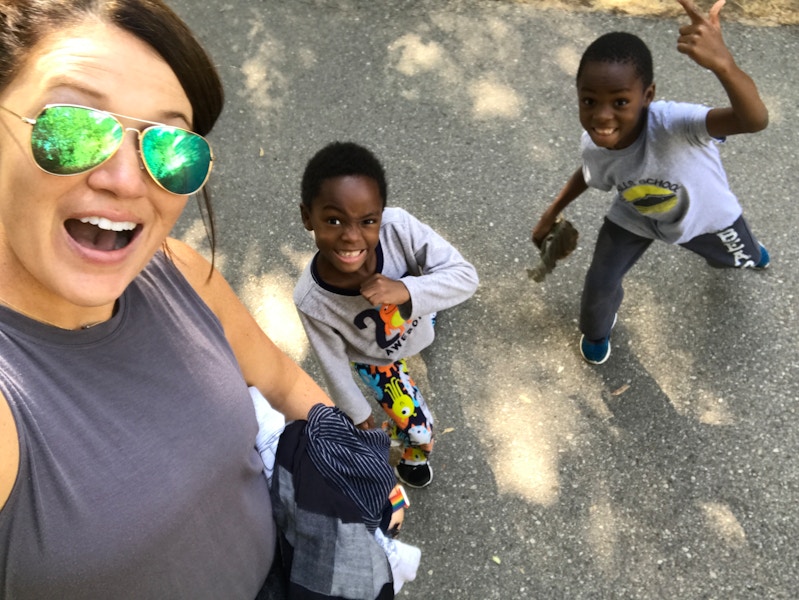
<point x="411" y="421"/>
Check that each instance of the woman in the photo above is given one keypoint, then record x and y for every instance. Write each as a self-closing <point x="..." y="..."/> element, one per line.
<point x="128" y="466"/>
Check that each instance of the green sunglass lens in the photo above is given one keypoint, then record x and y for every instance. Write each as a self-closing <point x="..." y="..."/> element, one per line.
<point x="177" y="159"/>
<point x="67" y="140"/>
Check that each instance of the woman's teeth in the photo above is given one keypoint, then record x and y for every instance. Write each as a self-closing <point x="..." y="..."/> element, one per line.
<point x="109" y="225"/>
<point x="100" y="233"/>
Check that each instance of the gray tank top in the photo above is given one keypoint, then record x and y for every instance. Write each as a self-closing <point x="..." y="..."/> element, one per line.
<point x="138" y="472"/>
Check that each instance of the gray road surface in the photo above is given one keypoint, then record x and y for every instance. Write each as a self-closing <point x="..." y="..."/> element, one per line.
<point x="671" y="471"/>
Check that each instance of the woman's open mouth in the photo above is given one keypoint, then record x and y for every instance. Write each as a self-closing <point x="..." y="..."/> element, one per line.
<point x="99" y="233"/>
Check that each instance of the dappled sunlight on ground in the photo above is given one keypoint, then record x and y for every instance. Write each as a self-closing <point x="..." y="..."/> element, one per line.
<point x="493" y="99"/>
<point x="526" y="450"/>
<point x="602" y="532"/>
<point x="269" y="298"/>
<point x="721" y="520"/>
<point x="776" y="110"/>
<point x="673" y="367"/>
<point x="414" y="55"/>
<point x="265" y="84"/>
<point x="299" y="258"/>
<point x="543" y="438"/>
<point x="568" y="59"/>
<point x="525" y="432"/>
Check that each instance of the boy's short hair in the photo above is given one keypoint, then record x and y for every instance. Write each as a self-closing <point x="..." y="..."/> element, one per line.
<point x="620" y="47"/>
<point x="340" y="159"/>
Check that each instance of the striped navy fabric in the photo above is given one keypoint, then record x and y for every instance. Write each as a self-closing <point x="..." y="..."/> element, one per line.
<point x="356" y="461"/>
<point x="320" y="505"/>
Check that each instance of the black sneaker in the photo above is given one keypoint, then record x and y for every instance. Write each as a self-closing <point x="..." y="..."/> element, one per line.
<point x="417" y="476"/>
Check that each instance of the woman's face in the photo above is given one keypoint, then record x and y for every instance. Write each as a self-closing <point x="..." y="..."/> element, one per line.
<point x="57" y="234"/>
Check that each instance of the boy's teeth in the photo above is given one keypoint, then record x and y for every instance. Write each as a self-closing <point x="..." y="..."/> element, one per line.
<point x="109" y="225"/>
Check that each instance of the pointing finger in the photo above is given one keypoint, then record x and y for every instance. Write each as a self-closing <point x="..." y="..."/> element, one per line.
<point x="692" y="11"/>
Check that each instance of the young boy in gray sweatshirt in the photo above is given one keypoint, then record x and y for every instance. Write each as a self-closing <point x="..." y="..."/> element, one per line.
<point x="369" y="296"/>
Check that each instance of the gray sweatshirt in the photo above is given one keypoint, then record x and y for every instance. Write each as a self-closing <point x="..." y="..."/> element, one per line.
<point x="343" y="327"/>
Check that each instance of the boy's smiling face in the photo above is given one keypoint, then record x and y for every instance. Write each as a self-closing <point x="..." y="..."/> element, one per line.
<point x="345" y="217"/>
<point x="613" y="103"/>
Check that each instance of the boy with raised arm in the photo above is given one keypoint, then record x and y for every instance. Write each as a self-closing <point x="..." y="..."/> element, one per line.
<point x="662" y="160"/>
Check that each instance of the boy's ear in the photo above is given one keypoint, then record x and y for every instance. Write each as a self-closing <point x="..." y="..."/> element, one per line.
<point x="649" y="94"/>
<point x="306" y="217"/>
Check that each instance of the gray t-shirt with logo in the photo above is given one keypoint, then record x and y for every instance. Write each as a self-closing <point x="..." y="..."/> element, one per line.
<point x="670" y="182"/>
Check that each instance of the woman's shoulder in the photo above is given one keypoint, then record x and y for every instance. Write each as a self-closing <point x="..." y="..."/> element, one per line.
<point x="191" y="264"/>
<point x="196" y="269"/>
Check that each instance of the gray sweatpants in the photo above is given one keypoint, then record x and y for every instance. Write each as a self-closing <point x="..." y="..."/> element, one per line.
<point x="617" y="250"/>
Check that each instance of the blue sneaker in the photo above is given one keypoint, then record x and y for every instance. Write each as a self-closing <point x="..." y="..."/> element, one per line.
<point x="597" y="351"/>
<point x="765" y="259"/>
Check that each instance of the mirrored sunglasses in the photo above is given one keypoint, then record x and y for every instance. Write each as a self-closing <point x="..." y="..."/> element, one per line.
<point x="68" y="139"/>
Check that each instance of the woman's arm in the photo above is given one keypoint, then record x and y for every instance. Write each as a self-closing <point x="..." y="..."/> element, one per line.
<point x="331" y="355"/>
<point x="9" y="451"/>
<point x="288" y="388"/>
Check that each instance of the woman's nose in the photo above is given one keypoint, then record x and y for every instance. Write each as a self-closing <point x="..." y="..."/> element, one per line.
<point x="123" y="174"/>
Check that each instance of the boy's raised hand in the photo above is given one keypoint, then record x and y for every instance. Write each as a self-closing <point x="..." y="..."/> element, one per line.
<point x="703" y="43"/>
<point x="702" y="40"/>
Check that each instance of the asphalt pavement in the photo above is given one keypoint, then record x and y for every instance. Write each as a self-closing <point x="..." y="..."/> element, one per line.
<point x="669" y="472"/>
